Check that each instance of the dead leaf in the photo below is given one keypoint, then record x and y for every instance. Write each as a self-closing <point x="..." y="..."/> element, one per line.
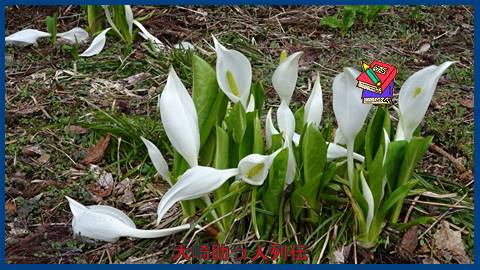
<point x="128" y="197"/>
<point x="409" y="241"/>
<point x="106" y="180"/>
<point x="10" y="206"/>
<point x="99" y="191"/>
<point x="72" y="129"/>
<point x="31" y="150"/>
<point x="430" y="260"/>
<point x="341" y="254"/>
<point x="43" y="159"/>
<point x="97" y="152"/>
<point x="423" y="49"/>
<point x="468" y="103"/>
<point x="448" y="244"/>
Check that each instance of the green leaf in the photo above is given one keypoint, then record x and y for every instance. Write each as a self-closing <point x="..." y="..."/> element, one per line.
<point x="206" y="97"/>
<point x="416" y="149"/>
<point x="314" y="154"/>
<point x="349" y="15"/>
<point x="395" y="154"/>
<point x="396" y="196"/>
<point x="52" y="27"/>
<point x="258" y="145"/>
<point x="259" y="94"/>
<point x="237" y="122"/>
<point x="305" y="197"/>
<point x="299" y="124"/>
<point x="274" y="187"/>
<point x="376" y="172"/>
<point x="331" y="21"/>
<point x="374" y="136"/>
<point x="207" y="152"/>
<point x="222" y="149"/>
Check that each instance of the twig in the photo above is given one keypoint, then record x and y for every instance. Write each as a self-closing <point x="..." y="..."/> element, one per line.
<point x="456" y="163"/>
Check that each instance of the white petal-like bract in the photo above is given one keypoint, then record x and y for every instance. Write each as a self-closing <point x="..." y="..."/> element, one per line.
<point x="234" y="73"/>
<point x="195" y="183"/>
<point x="157" y="159"/>
<point x="106" y="223"/>
<point x="179" y="118"/>
<point x="253" y="169"/>
<point x="25" y="37"/>
<point x="270" y="129"/>
<point x="76" y="35"/>
<point x="285" y="76"/>
<point x="314" y="105"/>
<point x="415" y="97"/>
<point x="97" y="44"/>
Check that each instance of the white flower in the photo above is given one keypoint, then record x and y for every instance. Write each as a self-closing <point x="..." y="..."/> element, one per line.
<point x="106" y="223"/>
<point x="314" y="105"/>
<point x="415" y="97"/>
<point x="253" y="169"/>
<point x="195" y="183"/>
<point x="157" y="159"/>
<point x="349" y="111"/>
<point x="234" y="73"/>
<point x="285" y="76"/>
<point x="179" y="118"/>
<point x="129" y="18"/>
<point x="251" y="104"/>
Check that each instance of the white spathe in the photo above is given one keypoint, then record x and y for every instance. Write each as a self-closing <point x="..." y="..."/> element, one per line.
<point x="97" y="44"/>
<point x="195" y="183"/>
<point x="367" y="194"/>
<point x="236" y="64"/>
<point x="156" y="43"/>
<point x="73" y="36"/>
<point x="314" y="106"/>
<point x="415" y="97"/>
<point x="179" y="118"/>
<point x="270" y="129"/>
<point x="285" y="76"/>
<point x="349" y="110"/>
<point x="286" y="124"/>
<point x="25" y="37"/>
<point x="335" y="151"/>
<point x="106" y="223"/>
<point x="129" y="18"/>
<point x="157" y="159"/>
<point x="253" y="169"/>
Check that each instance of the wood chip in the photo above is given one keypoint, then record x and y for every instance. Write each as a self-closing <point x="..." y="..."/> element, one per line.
<point x="97" y="152"/>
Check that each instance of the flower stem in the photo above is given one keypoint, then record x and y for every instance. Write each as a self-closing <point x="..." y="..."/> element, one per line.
<point x="350" y="162"/>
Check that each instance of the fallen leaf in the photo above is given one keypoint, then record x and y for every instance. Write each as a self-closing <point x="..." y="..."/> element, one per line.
<point x="72" y="129"/>
<point x="409" y="241"/>
<point x="448" y="244"/>
<point x="99" y="191"/>
<point x="430" y="260"/>
<point x="341" y="254"/>
<point x="128" y="197"/>
<point x="468" y="103"/>
<point x="43" y="159"/>
<point x="106" y="180"/>
<point x="97" y="152"/>
<point x="10" y="206"/>
<point x="423" y="49"/>
<point x="31" y="150"/>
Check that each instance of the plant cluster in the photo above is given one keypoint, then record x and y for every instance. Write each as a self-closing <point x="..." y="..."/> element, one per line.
<point x="236" y="172"/>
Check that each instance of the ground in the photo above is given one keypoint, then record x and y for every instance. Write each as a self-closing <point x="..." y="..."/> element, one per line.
<point x="49" y="96"/>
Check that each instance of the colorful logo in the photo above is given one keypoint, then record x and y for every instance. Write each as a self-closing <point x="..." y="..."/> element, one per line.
<point x="376" y="82"/>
